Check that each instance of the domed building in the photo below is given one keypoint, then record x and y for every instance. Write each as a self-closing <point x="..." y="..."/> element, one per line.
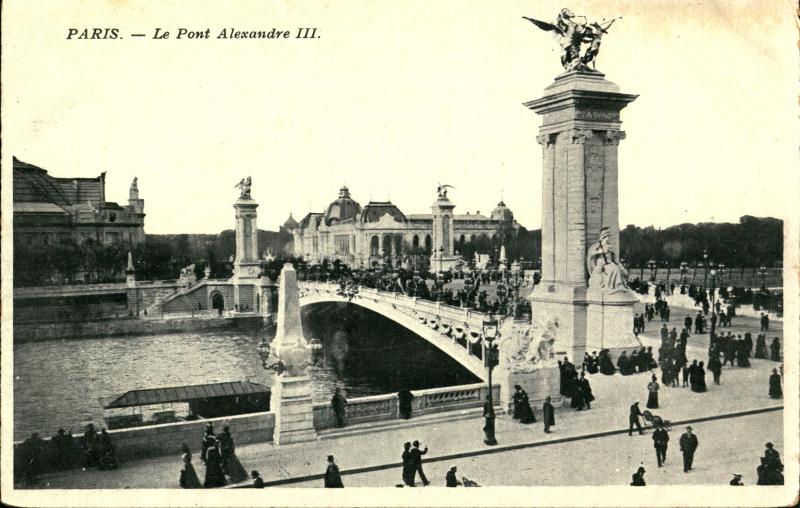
<point x="343" y="209"/>
<point x="290" y="224"/>
<point x="502" y="213"/>
<point x="380" y="233"/>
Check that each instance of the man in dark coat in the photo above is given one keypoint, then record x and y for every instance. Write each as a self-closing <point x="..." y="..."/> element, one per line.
<point x="333" y="480"/>
<point x="450" y="478"/>
<point x="638" y="478"/>
<point x="715" y="366"/>
<point x="548" y="415"/>
<point x="404" y="398"/>
<point x="688" y="444"/>
<point x="633" y="419"/>
<point x="660" y="440"/>
<point x="408" y="465"/>
<point x="226" y="447"/>
<point x="339" y="405"/>
<point x="416" y="461"/>
<point x="687" y="323"/>
<point x="684" y="337"/>
<point x="664" y="334"/>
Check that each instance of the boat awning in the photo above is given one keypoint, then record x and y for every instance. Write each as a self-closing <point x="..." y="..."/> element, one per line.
<point x="184" y="394"/>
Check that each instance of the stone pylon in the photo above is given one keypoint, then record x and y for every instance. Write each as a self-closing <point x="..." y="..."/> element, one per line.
<point x="580" y="136"/>
<point x="291" y="393"/>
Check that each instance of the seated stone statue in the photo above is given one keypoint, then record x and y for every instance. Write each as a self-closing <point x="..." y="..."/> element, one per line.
<point x="604" y="270"/>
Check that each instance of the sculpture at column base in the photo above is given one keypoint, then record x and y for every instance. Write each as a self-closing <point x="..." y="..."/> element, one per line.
<point x="528" y="359"/>
<point x="604" y="271"/>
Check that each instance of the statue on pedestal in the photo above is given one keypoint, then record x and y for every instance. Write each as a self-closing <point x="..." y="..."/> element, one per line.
<point x="441" y="190"/>
<point x="244" y="188"/>
<point x="571" y="34"/>
<point x="605" y="272"/>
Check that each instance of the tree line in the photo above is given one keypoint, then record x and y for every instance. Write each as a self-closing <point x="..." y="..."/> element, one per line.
<point x="752" y="242"/>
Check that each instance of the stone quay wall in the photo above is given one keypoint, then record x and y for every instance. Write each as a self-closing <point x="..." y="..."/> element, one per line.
<point x="130" y="326"/>
<point x="154" y="440"/>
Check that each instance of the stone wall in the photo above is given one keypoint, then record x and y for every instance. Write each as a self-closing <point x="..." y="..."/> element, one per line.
<point x="154" y="440"/>
<point x="116" y="327"/>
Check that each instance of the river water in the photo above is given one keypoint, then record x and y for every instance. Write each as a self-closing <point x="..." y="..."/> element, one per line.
<point x="58" y="383"/>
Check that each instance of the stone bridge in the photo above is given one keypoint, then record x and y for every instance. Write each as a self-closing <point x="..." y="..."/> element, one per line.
<point x="454" y="330"/>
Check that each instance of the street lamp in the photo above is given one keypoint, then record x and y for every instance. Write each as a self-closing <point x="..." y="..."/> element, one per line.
<point x="705" y="265"/>
<point x="263" y="353"/>
<point x="652" y="265"/>
<point x="491" y="359"/>
<point x="713" y="285"/>
<point x="684" y="271"/>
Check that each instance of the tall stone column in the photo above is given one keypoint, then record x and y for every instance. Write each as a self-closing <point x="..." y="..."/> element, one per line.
<point x="579" y="135"/>
<point x="443" y="255"/>
<point x="291" y="393"/>
<point x="246" y="266"/>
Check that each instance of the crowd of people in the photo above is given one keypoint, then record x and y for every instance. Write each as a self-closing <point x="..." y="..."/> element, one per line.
<point x="64" y="451"/>
<point x="218" y="454"/>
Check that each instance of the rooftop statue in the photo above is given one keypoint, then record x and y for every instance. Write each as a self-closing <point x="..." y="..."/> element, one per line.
<point x="604" y="270"/>
<point x="442" y="190"/>
<point x="244" y="188"/>
<point x="571" y="34"/>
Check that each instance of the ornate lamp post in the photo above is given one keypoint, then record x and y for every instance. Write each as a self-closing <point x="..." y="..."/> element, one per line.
<point x="684" y="271"/>
<point x="652" y="266"/>
<point x="263" y="353"/>
<point x="668" y="265"/>
<point x="491" y="359"/>
<point x="705" y="265"/>
<point x="762" y="271"/>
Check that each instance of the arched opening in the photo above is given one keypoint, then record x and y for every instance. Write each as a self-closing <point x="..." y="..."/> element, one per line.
<point x="398" y="245"/>
<point x="415" y="241"/>
<point x="471" y="238"/>
<point x="217" y="301"/>
<point x="461" y="240"/>
<point x="387" y="246"/>
<point x="428" y="244"/>
<point x="258" y="302"/>
<point x="374" y="246"/>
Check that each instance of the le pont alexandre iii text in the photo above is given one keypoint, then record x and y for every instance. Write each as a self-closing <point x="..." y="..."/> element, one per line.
<point x="160" y="33"/>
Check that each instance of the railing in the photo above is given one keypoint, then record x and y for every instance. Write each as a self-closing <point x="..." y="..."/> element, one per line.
<point x="386" y="407"/>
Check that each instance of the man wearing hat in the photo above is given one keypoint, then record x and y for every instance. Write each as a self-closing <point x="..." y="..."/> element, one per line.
<point x="737" y="480"/>
<point x="688" y="444"/>
<point x="660" y="440"/>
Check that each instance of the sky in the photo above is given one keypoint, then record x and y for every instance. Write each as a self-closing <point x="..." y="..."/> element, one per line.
<point x="393" y="98"/>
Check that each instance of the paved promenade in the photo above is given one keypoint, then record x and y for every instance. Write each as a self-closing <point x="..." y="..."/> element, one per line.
<point x="598" y="449"/>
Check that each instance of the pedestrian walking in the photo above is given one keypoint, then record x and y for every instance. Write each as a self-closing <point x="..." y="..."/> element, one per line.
<point x="339" y="405"/>
<point x="189" y="479"/>
<point x="633" y="419"/>
<point x="548" y="415"/>
<point x="652" y="393"/>
<point x="215" y="476"/>
<point x="408" y="465"/>
<point x="660" y="442"/>
<point x="688" y="444"/>
<point x="416" y="460"/>
<point x="775" y="390"/>
<point x="333" y="480"/>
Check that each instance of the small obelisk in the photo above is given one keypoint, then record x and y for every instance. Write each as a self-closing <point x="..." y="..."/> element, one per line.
<point x="291" y="392"/>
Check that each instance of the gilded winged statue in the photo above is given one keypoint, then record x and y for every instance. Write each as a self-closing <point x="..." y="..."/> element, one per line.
<point x="572" y="34"/>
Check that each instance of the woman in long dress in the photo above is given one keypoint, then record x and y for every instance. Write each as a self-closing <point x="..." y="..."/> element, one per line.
<point x="652" y="393"/>
<point x="215" y="477"/>
<point x="701" y="378"/>
<point x="775" y="390"/>
<point x="525" y="411"/>
<point x="190" y="479"/>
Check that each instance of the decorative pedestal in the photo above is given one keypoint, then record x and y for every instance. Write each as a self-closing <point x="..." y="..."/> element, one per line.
<point x="246" y="267"/>
<point x="610" y="323"/>
<point x="294" y="410"/>
<point x="291" y="392"/>
<point x="580" y="137"/>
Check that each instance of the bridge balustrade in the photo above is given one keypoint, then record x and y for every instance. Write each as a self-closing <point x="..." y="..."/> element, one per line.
<point x="386" y="407"/>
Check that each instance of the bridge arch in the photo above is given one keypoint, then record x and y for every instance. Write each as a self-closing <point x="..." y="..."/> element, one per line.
<point x="392" y="311"/>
